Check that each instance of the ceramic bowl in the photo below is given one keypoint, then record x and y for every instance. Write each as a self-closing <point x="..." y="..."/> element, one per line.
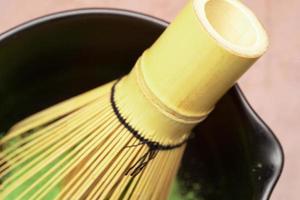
<point x="233" y="155"/>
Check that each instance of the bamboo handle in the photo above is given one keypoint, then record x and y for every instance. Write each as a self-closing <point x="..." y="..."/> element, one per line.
<point x="178" y="80"/>
<point x="202" y="53"/>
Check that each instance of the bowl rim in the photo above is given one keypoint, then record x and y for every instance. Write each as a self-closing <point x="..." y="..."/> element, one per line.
<point x="147" y="17"/>
<point x="250" y="110"/>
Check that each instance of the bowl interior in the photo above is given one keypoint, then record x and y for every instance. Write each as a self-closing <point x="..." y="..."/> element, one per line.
<point x="232" y="155"/>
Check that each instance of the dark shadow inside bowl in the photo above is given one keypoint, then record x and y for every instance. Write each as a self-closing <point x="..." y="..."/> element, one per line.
<point x="233" y="155"/>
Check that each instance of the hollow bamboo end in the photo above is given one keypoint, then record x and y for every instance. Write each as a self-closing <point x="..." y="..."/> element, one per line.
<point x="203" y="52"/>
<point x="233" y="26"/>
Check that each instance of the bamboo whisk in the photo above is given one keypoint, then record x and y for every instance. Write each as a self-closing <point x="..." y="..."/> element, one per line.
<point x="125" y="140"/>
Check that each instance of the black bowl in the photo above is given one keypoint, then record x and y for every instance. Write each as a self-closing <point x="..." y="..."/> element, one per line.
<point x="233" y="154"/>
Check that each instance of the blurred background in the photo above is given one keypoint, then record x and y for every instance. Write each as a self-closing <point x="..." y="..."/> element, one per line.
<point x="271" y="85"/>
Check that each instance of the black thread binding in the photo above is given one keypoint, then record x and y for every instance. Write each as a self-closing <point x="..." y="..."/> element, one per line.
<point x="153" y="146"/>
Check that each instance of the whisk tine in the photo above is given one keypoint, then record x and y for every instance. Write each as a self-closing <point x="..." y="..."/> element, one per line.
<point x="56" y="111"/>
<point x="117" y="172"/>
<point x="111" y="172"/>
<point x="90" y="169"/>
<point x="54" y="132"/>
<point x="67" y="105"/>
<point x="82" y="151"/>
<point x="72" y="157"/>
<point x="86" y="153"/>
<point x="43" y="144"/>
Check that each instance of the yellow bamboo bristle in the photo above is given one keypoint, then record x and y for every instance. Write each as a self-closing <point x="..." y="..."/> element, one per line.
<point x="125" y="140"/>
<point x="97" y="153"/>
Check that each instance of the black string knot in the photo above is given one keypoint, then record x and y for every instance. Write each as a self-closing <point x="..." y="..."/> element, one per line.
<point x="153" y="147"/>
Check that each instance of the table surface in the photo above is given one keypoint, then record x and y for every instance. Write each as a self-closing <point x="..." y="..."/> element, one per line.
<point x="270" y="85"/>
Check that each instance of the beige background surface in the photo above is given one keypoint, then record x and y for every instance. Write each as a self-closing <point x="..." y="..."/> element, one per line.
<point x="271" y="86"/>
